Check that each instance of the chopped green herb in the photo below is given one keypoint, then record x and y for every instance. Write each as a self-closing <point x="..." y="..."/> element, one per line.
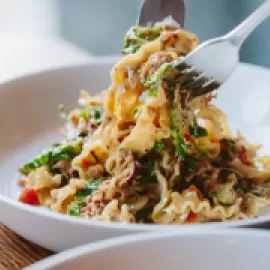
<point x="137" y="36"/>
<point x="93" y="113"/>
<point x="131" y="48"/>
<point x="145" y="168"/>
<point x="189" y="165"/>
<point x="267" y="180"/>
<point x="179" y="143"/>
<point x="248" y="189"/>
<point x="84" y="114"/>
<point x="89" y="188"/>
<point x="148" y="33"/>
<point x="56" y="153"/>
<point x="149" y="176"/>
<point x="203" y="154"/>
<point x="227" y="149"/>
<point x="135" y="111"/>
<point x="143" y="214"/>
<point x="172" y="117"/>
<point x="242" y="187"/>
<point x="159" y="208"/>
<point x="198" y="131"/>
<point x="74" y="209"/>
<point x="153" y="81"/>
<point x="226" y="193"/>
<point x="159" y="146"/>
<point x="228" y="142"/>
<point x="178" y="140"/>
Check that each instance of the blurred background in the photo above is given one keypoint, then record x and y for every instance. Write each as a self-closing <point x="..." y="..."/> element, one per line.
<point x="98" y="26"/>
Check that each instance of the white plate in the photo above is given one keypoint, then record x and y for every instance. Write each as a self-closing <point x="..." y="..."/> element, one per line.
<point x="222" y="250"/>
<point x="29" y="121"/>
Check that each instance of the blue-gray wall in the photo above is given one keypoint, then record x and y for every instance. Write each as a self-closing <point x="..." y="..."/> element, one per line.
<point x="99" y="25"/>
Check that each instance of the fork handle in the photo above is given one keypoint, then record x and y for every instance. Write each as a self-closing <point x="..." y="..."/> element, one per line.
<point x="239" y="34"/>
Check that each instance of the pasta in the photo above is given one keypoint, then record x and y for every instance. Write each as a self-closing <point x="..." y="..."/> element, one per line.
<point x="145" y="152"/>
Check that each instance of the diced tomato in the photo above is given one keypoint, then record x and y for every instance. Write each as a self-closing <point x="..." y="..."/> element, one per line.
<point x="194" y="188"/>
<point x="192" y="217"/>
<point x="242" y="155"/>
<point x="29" y="196"/>
<point x="187" y="137"/>
<point x="85" y="163"/>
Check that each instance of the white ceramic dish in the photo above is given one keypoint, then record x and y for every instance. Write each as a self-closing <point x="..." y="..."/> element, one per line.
<point x="222" y="250"/>
<point x="29" y="122"/>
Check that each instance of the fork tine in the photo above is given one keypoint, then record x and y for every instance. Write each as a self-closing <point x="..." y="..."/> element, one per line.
<point x="198" y="82"/>
<point x="205" y="89"/>
<point x="190" y="79"/>
<point x="180" y="74"/>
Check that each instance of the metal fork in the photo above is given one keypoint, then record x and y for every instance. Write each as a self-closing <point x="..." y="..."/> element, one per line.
<point x="213" y="62"/>
<point x="153" y="11"/>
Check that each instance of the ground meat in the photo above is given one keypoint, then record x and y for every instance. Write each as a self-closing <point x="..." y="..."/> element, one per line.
<point x="62" y="165"/>
<point x="125" y="173"/>
<point x="96" y="202"/>
<point x="154" y="62"/>
<point x="124" y="179"/>
<point x="95" y="172"/>
<point x="178" y="42"/>
<point x="65" y="168"/>
<point x="242" y="155"/>
<point x="207" y="178"/>
<point x="95" y="205"/>
<point x="211" y="185"/>
<point x="244" y="206"/>
<point x="169" y="40"/>
<point x="203" y="167"/>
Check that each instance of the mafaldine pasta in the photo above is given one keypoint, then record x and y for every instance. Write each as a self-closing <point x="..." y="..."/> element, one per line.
<point x="143" y="151"/>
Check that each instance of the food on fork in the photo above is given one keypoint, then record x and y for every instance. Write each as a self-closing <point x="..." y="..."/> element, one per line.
<point x="144" y="152"/>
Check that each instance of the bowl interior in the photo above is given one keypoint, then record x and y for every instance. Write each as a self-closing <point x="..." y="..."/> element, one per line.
<point x="30" y="119"/>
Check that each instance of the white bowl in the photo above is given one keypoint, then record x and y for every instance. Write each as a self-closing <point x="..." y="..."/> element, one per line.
<point x="29" y="122"/>
<point x="222" y="250"/>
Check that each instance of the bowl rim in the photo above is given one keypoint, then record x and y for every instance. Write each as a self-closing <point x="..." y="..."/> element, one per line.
<point x="118" y="226"/>
<point x="95" y="60"/>
<point x="70" y="254"/>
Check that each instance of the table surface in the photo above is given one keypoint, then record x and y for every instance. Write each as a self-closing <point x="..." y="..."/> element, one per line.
<point x="16" y="252"/>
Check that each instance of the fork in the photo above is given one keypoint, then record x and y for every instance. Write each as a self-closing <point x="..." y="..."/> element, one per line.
<point x="153" y="11"/>
<point x="213" y="62"/>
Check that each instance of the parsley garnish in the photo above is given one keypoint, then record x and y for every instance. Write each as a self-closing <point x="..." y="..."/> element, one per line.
<point x="198" y="131"/>
<point x="74" y="209"/>
<point x="93" y="113"/>
<point x="56" y="153"/>
<point x="137" y="36"/>
<point x="159" y="146"/>
<point x="153" y="81"/>
<point x="143" y="214"/>
<point x="89" y="188"/>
